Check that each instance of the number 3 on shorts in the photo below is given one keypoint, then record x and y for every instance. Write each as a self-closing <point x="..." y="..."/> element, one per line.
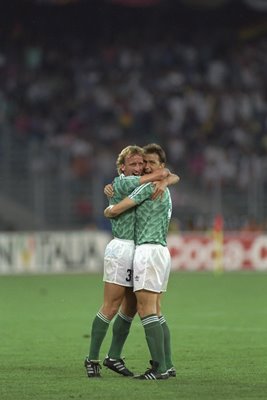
<point x="129" y="276"/>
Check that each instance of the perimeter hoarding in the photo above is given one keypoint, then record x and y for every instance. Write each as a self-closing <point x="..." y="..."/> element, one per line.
<point x="59" y="252"/>
<point x="228" y="252"/>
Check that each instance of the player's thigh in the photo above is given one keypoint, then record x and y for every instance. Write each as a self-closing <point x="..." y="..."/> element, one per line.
<point x="113" y="293"/>
<point x="113" y="297"/>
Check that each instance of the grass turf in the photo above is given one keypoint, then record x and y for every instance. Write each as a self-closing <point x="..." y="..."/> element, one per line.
<point x="218" y="325"/>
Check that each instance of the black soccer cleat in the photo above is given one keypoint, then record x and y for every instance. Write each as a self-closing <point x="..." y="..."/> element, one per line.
<point x="92" y="368"/>
<point x="172" y="372"/>
<point x="152" y="374"/>
<point x="117" y="366"/>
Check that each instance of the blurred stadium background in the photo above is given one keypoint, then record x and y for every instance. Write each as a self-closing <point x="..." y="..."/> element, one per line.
<point x="81" y="79"/>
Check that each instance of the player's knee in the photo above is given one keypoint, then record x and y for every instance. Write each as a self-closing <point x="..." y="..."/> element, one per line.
<point x="130" y="311"/>
<point x="110" y="310"/>
<point x="146" y="308"/>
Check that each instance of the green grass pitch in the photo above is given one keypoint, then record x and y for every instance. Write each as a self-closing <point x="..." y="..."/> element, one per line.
<point x="219" y="338"/>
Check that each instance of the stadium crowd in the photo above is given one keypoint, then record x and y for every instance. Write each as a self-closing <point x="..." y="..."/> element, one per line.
<point x="202" y="98"/>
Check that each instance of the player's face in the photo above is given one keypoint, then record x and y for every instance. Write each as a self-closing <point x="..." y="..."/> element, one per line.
<point x="134" y="165"/>
<point x="152" y="163"/>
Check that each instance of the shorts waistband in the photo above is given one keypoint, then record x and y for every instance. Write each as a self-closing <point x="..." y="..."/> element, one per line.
<point x="124" y="240"/>
<point x="152" y="243"/>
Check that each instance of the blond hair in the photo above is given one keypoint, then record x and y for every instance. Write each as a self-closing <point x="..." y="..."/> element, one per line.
<point x="126" y="152"/>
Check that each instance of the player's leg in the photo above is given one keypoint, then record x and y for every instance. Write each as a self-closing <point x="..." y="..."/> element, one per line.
<point x="113" y="296"/>
<point x="167" y="338"/>
<point x="122" y="324"/>
<point x="120" y="331"/>
<point x="121" y="328"/>
<point x="117" y="275"/>
<point x="122" y="260"/>
<point x="150" y="270"/>
<point x="147" y="310"/>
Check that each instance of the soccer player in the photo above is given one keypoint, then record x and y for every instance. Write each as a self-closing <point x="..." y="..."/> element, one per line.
<point x="151" y="262"/>
<point x="118" y="262"/>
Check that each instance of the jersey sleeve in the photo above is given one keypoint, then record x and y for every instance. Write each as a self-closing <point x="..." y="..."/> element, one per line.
<point x="124" y="185"/>
<point x="142" y="193"/>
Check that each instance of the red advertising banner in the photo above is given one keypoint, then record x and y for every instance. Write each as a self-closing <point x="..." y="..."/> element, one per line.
<point x="230" y="252"/>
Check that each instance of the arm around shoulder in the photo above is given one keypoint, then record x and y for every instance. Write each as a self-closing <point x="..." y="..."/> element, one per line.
<point x="158" y="175"/>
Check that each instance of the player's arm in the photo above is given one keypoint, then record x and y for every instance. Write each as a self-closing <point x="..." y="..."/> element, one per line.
<point x="172" y="179"/>
<point x="158" y="175"/>
<point x="117" y="209"/>
<point x="160" y="186"/>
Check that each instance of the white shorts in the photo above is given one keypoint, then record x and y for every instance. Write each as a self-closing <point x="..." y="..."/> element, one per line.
<point x="118" y="262"/>
<point x="152" y="264"/>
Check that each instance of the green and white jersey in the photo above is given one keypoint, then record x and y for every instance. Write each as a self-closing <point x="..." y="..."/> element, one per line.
<point x="152" y="216"/>
<point x="123" y="226"/>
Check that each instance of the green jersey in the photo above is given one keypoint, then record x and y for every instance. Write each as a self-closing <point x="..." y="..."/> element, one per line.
<point x="152" y="216"/>
<point x="123" y="226"/>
